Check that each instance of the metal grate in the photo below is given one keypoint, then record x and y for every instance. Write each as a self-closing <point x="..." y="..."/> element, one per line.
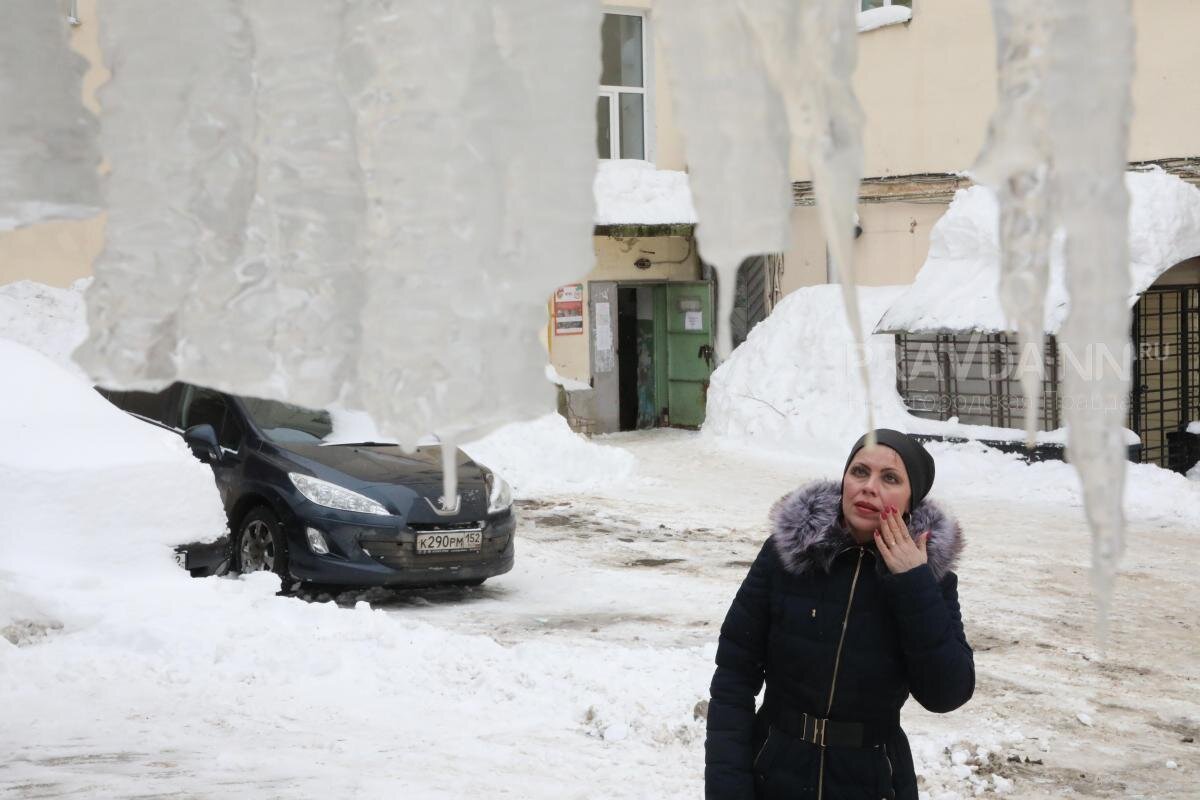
<point x="972" y="376"/>
<point x="969" y="375"/>
<point x="1165" y="392"/>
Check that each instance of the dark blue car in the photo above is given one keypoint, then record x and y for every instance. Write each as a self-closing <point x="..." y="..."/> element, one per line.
<point x="351" y="514"/>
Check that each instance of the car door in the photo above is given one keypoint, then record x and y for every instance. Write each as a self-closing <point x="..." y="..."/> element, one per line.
<point x="201" y="406"/>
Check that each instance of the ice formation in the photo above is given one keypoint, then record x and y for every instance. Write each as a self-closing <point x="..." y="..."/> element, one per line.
<point x="1057" y="153"/>
<point x="1016" y="162"/>
<point x="758" y="81"/>
<point x="48" y="154"/>
<point x="736" y="135"/>
<point x="1090" y="87"/>
<point x="353" y="203"/>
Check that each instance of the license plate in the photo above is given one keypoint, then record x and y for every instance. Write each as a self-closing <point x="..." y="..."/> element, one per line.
<point x="181" y="559"/>
<point x="466" y="541"/>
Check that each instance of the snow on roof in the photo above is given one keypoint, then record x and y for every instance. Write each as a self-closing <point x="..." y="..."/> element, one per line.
<point x="957" y="289"/>
<point x="631" y="192"/>
<point x="874" y="18"/>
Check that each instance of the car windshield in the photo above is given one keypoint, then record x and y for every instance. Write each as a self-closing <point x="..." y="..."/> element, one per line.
<point x="284" y="423"/>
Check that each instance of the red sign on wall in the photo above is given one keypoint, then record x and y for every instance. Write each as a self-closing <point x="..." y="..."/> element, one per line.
<point x="568" y="310"/>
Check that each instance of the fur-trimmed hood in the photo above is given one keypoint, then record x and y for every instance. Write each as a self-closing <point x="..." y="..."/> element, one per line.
<point x="806" y="531"/>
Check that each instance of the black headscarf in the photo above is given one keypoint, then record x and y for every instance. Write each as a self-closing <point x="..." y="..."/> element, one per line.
<point x="917" y="461"/>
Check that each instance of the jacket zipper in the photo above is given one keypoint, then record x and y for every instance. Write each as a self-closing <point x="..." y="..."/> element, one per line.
<point x="762" y="749"/>
<point x="891" y="773"/>
<point x="837" y="662"/>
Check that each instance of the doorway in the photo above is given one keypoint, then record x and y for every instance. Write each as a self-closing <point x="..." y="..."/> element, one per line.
<point x="655" y="371"/>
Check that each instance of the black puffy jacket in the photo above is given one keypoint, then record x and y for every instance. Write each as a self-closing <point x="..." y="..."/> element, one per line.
<point x="835" y="635"/>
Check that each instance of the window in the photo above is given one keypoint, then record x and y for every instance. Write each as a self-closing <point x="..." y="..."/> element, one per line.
<point x="205" y="407"/>
<point x="622" y="107"/>
<point x="867" y="5"/>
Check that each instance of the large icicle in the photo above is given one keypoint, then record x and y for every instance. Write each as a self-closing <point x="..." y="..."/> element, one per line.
<point x="1017" y="162"/>
<point x="827" y="125"/>
<point x="355" y="202"/>
<point x="289" y="306"/>
<point x="735" y="65"/>
<point x="177" y="128"/>
<point x="736" y="134"/>
<point x="1090" y="112"/>
<point x="48" y="154"/>
<point x="477" y="136"/>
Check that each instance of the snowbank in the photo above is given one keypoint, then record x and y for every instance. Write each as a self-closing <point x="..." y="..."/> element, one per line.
<point x="545" y="456"/>
<point x="46" y="318"/>
<point x="874" y="18"/>
<point x="90" y="495"/>
<point x="957" y="288"/>
<point x="632" y="192"/>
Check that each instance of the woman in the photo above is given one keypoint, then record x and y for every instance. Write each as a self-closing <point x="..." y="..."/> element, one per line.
<point x="844" y="614"/>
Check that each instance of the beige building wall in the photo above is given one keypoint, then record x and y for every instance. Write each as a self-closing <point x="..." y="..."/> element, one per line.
<point x="614" y="262"/>
<point x="59" y="253"/>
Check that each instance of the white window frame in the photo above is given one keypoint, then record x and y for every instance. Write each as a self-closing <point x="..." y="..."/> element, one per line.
<point x="886" y="3"/>
<point x="612" y="92"/>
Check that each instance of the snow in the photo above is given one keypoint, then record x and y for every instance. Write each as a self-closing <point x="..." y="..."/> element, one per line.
<point x="874" y="18"/>
<point x="45" y="318"/>
<point x="544" y="456"/>
<point x="569" y="384"/>
<point x="633" y="192"/>
<point x="956" y="289"/>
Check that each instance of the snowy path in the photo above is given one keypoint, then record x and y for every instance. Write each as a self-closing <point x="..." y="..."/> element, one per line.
<point x="576" y="675"/>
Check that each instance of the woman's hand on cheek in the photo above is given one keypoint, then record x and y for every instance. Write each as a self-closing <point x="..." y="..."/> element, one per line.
<point x="899" y="551"/>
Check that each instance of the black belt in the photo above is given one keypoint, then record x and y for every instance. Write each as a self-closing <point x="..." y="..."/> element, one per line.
<point x="833" y="733"/>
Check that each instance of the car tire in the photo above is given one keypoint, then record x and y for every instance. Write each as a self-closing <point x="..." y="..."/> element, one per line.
<point x="261" y="545"/>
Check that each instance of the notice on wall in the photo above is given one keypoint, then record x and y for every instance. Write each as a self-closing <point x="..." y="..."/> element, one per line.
<point x="693" y="320"/>
<point x="604" y="338"/>
<point x="568" y="310"/>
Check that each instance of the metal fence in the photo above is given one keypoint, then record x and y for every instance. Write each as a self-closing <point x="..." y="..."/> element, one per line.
<point x="973" y="376"/>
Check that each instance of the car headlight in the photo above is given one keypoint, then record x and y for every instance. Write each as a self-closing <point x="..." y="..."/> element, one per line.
<point x="499" y="494"/>
<point x="330" y="495"/>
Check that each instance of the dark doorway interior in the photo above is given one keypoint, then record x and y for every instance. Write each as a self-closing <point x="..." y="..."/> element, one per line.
<point x="627" y="362"/>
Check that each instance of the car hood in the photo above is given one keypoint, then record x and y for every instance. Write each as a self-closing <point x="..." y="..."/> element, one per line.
<point x="387" y="464"/>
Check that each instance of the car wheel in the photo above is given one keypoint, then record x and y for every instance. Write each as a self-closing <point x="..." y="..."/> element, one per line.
<point x="261" y="546"/>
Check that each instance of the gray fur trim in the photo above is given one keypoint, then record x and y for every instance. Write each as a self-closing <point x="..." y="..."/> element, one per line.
<point x="806" y="530"/>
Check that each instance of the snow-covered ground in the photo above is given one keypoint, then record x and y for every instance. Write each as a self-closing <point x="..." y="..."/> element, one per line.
<point x="580" y="674"/>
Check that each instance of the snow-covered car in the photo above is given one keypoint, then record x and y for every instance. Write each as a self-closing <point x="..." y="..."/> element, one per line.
<point x="312" y="507"/>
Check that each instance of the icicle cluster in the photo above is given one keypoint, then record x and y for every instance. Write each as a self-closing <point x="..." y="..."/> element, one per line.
<point x="48" y="154"/>
<point x="339" y="201"/>
<point x="758" y="81"/>
<point x="1057" y="155"/>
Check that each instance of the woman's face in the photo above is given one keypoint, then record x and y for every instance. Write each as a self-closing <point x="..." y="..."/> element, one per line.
<point x="875" y="480"/>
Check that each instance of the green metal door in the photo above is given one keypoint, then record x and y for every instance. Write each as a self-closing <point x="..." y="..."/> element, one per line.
<point x="690" y="358"/>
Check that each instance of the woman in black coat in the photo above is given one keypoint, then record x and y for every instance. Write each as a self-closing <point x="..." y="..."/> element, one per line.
<point x="850" y="607"/>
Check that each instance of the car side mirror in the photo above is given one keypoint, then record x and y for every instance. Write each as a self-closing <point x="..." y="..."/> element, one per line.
<point x="203" y="441"/>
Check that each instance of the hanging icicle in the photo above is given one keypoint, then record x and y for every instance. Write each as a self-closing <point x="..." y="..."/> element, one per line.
<point x="736" y="134"/>
<point x="362" y="203"/>
<point x="48" y="154"/>
<point x="1090" y="108"/>
<point x="1016" y="162"/>
<point x="178" y="129"/>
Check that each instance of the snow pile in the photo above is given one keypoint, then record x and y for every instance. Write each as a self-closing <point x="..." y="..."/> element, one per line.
<point x="545" y="456"/>
<point x="568" y="384"/>
<point x="794" y="382"/>
<point x="874" y="18"/>
<point x="956" y="289"/>
<point x="45" y="318"/>
<point x="89" y="494"/>
<point x="633" y="192"/>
